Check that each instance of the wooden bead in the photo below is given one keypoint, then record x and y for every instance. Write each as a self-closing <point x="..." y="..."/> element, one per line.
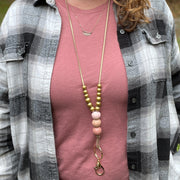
<point x="99" y="94"/>
<point x="92" y="108"/>
<point x="97" y="131"/>
<point x="99" y="85"/>
<point x="97" y="108"/>
<point x="85" y="91"/>
<point x="98" y="99"/>
<point x="86" y="95"/>
<point x="88" y="100"/>
<point x="96" y="115"/>
<point x="89" y="104"/>
<point x="98" y="104"/>
<point x="96" y="123"/>
<point x="84" y="87"/>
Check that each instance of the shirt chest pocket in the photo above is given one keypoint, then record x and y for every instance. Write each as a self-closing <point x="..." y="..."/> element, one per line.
<point x="155" y="54"/>
<point x="16" y="65"/>
<point x="147" y="60"/>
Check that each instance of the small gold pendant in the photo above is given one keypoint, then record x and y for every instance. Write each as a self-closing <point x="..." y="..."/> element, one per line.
<point x="86" y="33"/>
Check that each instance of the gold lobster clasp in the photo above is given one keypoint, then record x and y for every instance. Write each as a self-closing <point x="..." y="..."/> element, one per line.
<point x="99" y="169"/>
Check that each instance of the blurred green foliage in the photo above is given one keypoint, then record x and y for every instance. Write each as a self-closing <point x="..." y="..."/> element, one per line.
<point x="175" y="7"/>
<point x="4" y="5"/>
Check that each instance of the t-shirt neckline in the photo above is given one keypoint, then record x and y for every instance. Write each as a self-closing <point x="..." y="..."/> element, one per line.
<point x="83" y="11"/>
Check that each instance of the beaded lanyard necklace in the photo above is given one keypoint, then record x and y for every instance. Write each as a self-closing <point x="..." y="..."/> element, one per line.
<point x="96" y="122"/>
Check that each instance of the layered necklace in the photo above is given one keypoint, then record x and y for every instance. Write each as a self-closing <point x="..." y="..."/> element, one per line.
<point x="95" y="110"/>
<point x="88" y="33"/>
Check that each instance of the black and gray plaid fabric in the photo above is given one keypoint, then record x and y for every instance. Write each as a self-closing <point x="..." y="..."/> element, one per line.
<point x="29" y="38"/>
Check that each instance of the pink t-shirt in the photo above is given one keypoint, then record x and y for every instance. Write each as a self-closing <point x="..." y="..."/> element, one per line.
<point x="72" y="118"/>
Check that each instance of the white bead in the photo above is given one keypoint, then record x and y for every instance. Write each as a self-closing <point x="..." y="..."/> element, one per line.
<point x="96" y="115"/>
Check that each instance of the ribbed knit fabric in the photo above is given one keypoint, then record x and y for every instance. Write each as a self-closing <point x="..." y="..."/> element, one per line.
<point x="72" y="118"/>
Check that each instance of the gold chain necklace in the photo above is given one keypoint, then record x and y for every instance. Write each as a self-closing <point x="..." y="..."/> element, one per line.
<point x="96" y="122"/>
<point x="88" y="33"/>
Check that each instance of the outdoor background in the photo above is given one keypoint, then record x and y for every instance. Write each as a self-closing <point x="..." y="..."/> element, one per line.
<point x="174" y="5"/>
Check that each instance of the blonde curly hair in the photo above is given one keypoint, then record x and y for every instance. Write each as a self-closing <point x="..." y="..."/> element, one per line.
<point x="131" y="12"/>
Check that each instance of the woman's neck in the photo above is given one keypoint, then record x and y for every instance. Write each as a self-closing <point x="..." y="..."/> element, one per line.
<point x="86" y="4"/>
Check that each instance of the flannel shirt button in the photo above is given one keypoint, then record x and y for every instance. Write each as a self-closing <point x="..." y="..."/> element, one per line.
<point x="19" y="52"/>
<point x="51" y="2"/>
<point x="158" y="36"/>
<point x="134" y="100"/>
<point x="133" y="134"/>
<point x="133" y="166"/>
<point x="143" y="32"/>
<point x="130" y="63"/>
<point x="122" y="31"/>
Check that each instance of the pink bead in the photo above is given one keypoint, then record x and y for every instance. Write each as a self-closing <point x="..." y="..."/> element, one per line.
<point x="97" y="131"/>
<point x="96" y="115"/>
<point x="96" y="123"/>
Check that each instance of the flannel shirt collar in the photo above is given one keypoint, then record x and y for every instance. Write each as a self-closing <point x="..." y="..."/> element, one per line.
<point x="51" y="3"/>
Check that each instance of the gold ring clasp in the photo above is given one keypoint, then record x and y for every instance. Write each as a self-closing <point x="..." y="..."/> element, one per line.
<point x="99" y="169"/>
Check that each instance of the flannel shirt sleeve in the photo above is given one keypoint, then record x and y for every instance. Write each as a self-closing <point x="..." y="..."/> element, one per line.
<point x="8" y="157"/>
<point x="175" y="71"/>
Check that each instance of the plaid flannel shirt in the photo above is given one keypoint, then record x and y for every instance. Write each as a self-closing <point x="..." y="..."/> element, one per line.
<point x="29" y="38"/>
